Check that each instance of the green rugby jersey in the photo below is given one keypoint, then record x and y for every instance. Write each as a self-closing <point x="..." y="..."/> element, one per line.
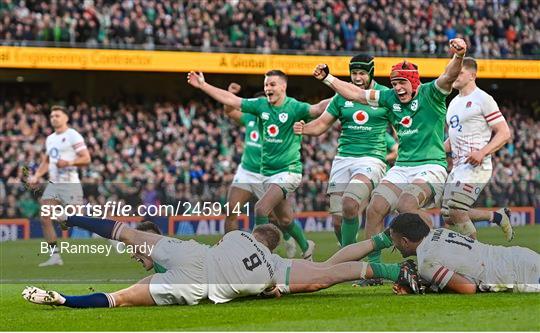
<point x="419" y="124"/>
<point x="251" y="158"/>
<point x="363" y="127"/>
<point x="280" y="146"/>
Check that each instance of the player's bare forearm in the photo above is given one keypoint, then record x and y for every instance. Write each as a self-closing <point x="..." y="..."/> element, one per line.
<point x="83" y="158"/>
<point x="353" y="252"/>
<point x="222" y="96"/>
<point x="460" y="285"/>
<point x="42" y="169"/>
<point x="319" y="125"/>
<point x="349" y="91"/>
<point x="501" y="137"/>
<point x="447" y="146"/>
<point x="450" y="73"/>
<point x="317" y="109"/>
<point x="234" y="114"/>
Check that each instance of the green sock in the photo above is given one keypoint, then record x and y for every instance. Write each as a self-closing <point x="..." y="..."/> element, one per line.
<point x="259" y="220"/>
<point x="386" y="271"/>
<point x="374" y="257"/>
<point x="349" y="229"/>
<point x="381" y="241"/>
<point x="286" y="235"/>
<point x="297" y="233"/>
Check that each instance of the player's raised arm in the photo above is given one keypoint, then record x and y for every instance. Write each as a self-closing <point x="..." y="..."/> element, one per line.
<point x="233" y="113"/>
<point x="220" y="95"/>
<point x="348" y="90"/>
<point x="315" y="110"/>
<point x="458" y="47"/>
<point x="315" y="127"/>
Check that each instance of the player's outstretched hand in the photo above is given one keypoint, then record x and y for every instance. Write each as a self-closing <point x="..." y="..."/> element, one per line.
<point x="271" y="292"/>
<point x="475" y="158"/>
<point x="458" y="46"/>
<point x="195" y="79"/>
<point x="408" y="281"/>
<point x="234" y="88"/>
<point x="298" y="127"/>
<point x="321" y="71"/>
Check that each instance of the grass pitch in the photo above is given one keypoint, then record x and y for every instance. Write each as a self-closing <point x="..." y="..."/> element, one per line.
<point x="341" y="308"/>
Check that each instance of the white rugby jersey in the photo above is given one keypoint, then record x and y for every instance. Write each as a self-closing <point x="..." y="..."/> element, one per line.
<point x="444" y="252"/>
<point x="239" y="266"/>
<point x="64" y="146"/>
<point x="469" y="120"/>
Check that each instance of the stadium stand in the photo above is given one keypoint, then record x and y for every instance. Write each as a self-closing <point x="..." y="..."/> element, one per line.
<point x="497" y="29"/>
<point x="167" y="152"/>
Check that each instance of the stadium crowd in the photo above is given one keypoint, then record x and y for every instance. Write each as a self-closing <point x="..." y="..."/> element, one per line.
<point x="494" y="28"/>
<point x="164" y="152"/>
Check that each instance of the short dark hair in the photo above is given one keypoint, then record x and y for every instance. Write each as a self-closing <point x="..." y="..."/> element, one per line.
<point x="411" y="226"/>
<point x="149" y="226"/>
<point x="59" y="108"/>
<point x="270" y="234"/>
<point x="259" y="94"/>
<point x="277" y="72"/>
<point x="470" y="63"/>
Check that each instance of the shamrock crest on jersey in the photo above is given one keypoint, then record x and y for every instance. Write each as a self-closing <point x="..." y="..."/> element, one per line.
<point x="283" y="117"/>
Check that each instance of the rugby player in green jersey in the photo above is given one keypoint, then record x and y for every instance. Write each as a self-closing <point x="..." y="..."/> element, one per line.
<point x="281" y="163"/>
<point x="418" y="113"/>
<point x="248" y="181"/>
<point x="360" y="162"/>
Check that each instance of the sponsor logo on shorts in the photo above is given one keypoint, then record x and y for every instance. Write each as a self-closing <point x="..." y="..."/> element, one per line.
<point x="272" y="130"/>
<point x="360" y="117"/>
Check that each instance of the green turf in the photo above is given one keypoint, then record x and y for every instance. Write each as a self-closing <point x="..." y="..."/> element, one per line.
<point x="336" y="309"/>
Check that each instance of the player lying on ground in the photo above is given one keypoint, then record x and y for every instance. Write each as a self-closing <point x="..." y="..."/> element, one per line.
<point x="450" y="261"/>
<point x="241" y="264"/>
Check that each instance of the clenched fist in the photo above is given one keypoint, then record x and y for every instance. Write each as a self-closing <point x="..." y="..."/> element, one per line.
<point x="458" y="47"/>
<point x="321" y="71"/>
<point x="298" y="127"/>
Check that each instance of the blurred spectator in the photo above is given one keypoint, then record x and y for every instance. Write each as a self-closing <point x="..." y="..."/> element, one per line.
<point x="148" y="155"/>
<point x="494" y="28"/>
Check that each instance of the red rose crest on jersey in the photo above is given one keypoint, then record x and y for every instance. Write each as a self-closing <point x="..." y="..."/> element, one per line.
<point x="406" y="121"/>
<point x="254" y="136"/>
<point x="469" y="104"/>
<point x="272" y="130"/>
<point x="360" y="117"/>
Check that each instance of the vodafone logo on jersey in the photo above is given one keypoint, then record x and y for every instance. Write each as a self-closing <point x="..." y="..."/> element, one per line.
<point x="272" y="130"/>
<point x="360" y="117"/>
<point x="406" y="121"/>
<point x="254" y="136"/>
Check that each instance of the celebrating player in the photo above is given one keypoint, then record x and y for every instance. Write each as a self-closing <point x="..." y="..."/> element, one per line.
<point x="241" y="264"/>
<point x="280" y="161"/>
<point x="65" y="152"/>
<point x="451" y="261"/>
<point x="418" y="113"/>
<point x="472" y="117"/>
<point x="361" y="159"/>
<point x="248" y="180"/>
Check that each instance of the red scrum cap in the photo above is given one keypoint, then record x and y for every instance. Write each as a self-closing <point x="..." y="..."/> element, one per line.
<point x="406" y="71"/>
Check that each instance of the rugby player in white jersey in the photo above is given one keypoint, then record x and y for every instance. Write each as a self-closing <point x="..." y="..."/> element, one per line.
<point x="450" y="261"/>
<point x="65" y="152"/>
<point x="472" y="117"/>
<point x="240" y="264"/>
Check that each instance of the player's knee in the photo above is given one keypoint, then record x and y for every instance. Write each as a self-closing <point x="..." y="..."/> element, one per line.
<point x="336" y="207"/>
<point x="378" y="207"/>
<point x="456" y="215"/>
<point x="407" y="203"/>
<point x="350" y="207"/>
<point x="445" y="214"/>
<point x="336" y="221"/>
<point x="261" y="209"/>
